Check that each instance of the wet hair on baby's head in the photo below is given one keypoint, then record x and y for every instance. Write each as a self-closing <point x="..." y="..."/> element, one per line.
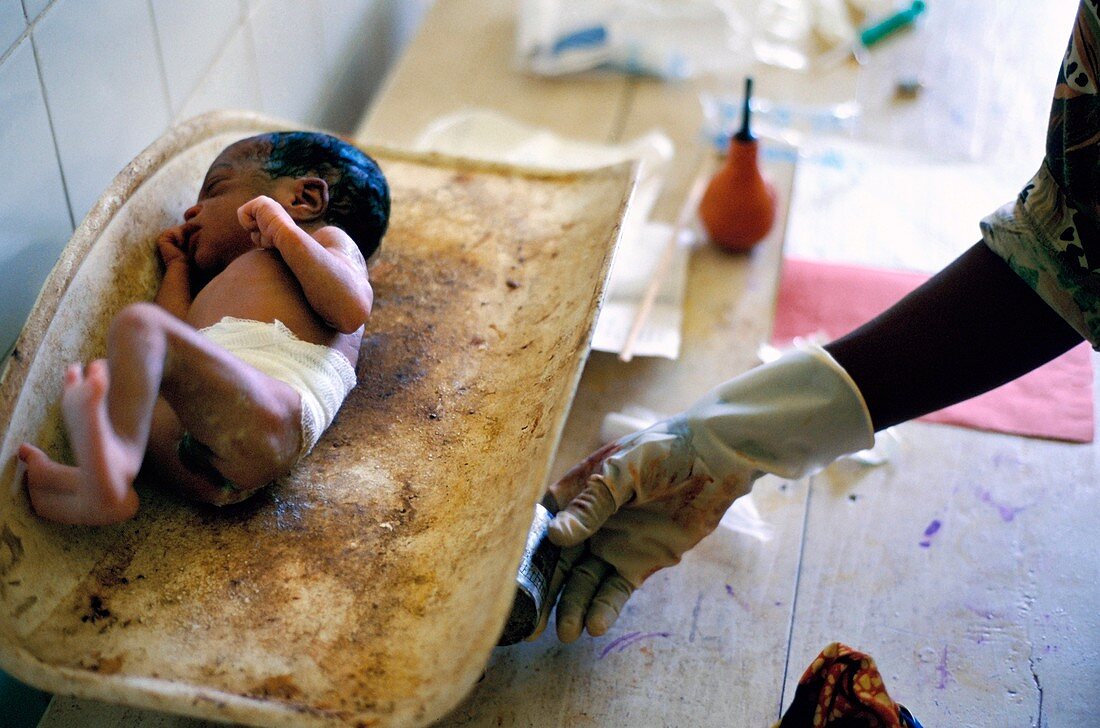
<point x="359" y="198"/>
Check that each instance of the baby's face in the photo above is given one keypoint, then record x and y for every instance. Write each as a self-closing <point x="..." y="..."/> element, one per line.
<point x="213" y="232"/>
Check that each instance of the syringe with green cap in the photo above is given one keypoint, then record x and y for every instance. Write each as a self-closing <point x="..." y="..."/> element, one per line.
<point x="889" y="25"/>
<point x="875" y="33"/>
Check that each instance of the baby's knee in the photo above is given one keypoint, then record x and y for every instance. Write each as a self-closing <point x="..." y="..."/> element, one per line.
<point x="137" y="318"/>
<point x="279" y="433"/>
<point x="268" y="447"/>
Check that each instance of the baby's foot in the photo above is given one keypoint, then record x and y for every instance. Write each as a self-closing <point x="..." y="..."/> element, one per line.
<point x="100" y="489"/>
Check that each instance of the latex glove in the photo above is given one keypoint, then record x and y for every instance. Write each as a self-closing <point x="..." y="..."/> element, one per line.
<point x="642" y="501"/>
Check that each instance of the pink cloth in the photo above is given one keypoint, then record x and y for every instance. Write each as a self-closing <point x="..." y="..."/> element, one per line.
<point x="1054" y="401"/>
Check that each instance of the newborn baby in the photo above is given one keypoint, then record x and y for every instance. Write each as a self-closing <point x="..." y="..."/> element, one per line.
<point x="231" y="376"/>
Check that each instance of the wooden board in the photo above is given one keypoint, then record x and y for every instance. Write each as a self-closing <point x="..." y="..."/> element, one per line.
<point x="963" y="573"/>
<point x="476" y="69"/>
<point x="722" y="616"/>
<point x="1012" y="601"/>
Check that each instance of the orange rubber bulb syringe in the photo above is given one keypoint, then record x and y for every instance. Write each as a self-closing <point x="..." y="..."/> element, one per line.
<point x="738" y="208"/>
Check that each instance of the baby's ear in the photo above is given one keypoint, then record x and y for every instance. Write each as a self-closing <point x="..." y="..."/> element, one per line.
<point x="306" y="199"/>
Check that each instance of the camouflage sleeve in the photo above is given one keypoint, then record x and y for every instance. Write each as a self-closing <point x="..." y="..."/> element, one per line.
<point x="1050" y="235"/>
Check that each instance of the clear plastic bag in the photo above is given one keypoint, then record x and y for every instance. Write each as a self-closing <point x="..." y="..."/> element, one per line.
<point x="782" y="121"/>
<point x="676" y="39"/>
<point x="671" y="39"/>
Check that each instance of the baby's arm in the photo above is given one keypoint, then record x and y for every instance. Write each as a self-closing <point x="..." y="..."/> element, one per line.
<point x="174" y="294"/>
<point x="327" y="264"/>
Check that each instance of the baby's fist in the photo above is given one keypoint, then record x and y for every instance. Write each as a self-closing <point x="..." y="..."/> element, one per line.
<point x="172" y="246"/>
<point x="262" y="217"/>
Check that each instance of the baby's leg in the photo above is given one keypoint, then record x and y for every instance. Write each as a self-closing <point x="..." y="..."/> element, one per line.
<point x="100" y="490"/>
<point x="107" y="410"/>
<point x="167" y="470"/>
<point x="249" y="420"/>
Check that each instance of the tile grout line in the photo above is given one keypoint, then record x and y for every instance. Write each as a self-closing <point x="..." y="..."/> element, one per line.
<point x="248" y="37"/>
<point x="163" y="72"/>
<point x="53" y="131"/>
<point x="10" y="50"/>
<point x="240" y="30"/>
<point x="27" y="30"/>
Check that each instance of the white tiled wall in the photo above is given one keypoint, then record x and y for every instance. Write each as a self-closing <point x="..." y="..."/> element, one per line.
<point x="87" y="84"/>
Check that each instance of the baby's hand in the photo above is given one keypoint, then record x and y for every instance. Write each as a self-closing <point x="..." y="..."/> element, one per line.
<point x="172" y="246"/>
<point x="264" y="219"/>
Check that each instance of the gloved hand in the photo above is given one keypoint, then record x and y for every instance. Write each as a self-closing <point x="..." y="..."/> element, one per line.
<point x="642" y="501"/>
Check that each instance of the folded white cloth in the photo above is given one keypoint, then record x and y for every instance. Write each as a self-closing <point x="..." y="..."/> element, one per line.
<point x="321" y="375"/>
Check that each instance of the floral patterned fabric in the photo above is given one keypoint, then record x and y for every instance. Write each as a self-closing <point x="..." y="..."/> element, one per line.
<point x="1051" y="234"/>
<point x="842" y="688"/>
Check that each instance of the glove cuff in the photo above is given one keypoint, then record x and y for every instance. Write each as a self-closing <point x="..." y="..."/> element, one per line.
<point x="788" y="417"/>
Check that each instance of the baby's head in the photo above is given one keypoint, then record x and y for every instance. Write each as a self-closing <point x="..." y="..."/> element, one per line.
<point x="344" y="184"/>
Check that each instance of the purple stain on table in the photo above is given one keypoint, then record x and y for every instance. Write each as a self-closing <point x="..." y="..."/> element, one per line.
<point x="621" y="643"/>
<point x="930" y="531"/>
<point x="740" y="602"/>
<point x="942" y="670"/>
<point x="1007" y="512"/>
<point x="1005" y="458"/>
<point x="695" y="616"/>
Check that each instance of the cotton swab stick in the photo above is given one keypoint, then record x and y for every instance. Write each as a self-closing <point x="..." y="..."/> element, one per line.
<point x="657" y="277"/>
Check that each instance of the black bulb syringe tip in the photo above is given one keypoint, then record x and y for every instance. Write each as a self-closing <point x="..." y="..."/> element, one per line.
<point x="745" y="133"/>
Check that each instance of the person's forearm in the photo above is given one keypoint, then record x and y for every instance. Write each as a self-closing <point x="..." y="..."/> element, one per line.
<point x="174" y="294"/>
<point x="326" y="262"/>
<point x="339" y="293"/>
<point x="972" y="327"/>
